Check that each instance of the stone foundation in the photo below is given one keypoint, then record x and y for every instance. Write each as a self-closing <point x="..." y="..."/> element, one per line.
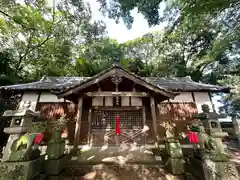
<point x="55" y="166"/>
<point x="175" y="160"/>
<point x="27" y="170"/>
<point x="219" y="170"/>
<point x="176" y="165"/>
<point x="211" y="170"/>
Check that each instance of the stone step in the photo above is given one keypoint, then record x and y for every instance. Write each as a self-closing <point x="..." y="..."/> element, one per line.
<point x="115" y="162"/>
<point x="118" y="172"/>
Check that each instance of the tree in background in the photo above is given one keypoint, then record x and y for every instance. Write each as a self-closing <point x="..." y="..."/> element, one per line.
<point x="43" y="40"/>
<point x="201" y="40"/>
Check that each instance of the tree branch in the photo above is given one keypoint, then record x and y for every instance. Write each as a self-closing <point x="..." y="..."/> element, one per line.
<point x="32" y="49"/>
<point x="29" y="50"/>
<point x="204" y="67"/>
<point x="15" y="20"/>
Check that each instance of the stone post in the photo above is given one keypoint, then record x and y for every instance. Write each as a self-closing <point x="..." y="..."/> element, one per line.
<point x="56" y="159"/>
<point x="21" y="123"/>
<point x="175" y="161"/>
<point x="214" y="159"/>
<point x="21" y="157"/>
<point x="236" y="127"/>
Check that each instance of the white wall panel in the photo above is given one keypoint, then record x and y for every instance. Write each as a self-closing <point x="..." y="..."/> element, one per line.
<point x="49" y="97"/>
<point x="30" y="96"/>
<point x="202" y="98"/>
<point x="135" y="101"/>
<point x="108" y="101"/>
<point x="97" y="101"/>
<point x="183" y="97"/>
<point x="125" y="101"/>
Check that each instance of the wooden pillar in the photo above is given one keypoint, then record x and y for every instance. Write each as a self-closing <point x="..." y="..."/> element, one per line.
<point x="144" y="121"/>
<point x="210" y="97"/>
<point x="154" y="119"/>
<point x="78" y="122"/>
<point x="89" y="127"/>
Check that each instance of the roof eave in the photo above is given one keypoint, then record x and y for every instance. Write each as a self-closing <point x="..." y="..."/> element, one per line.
<point x="203" y="90"/>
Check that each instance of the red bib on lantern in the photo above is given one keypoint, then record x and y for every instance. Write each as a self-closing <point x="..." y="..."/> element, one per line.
<point x="118" y="125"/>
<point x="192" y="137"/>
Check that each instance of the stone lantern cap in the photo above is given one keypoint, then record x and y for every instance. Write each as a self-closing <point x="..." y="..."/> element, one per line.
<point x="22" y="111"/>
<point x="220" y="134"/>
<point x="21" y="118"/>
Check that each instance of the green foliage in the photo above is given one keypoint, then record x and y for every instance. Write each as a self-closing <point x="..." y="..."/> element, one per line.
<point x="60" y="124"/>
<point x="38" y="127"/>
<point x="117" y="9"/>
<point x="201" y="40"/>
<point x="43" y="40"/>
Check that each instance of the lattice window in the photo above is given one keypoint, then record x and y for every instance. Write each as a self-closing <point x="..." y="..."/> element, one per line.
<point x="129" y="119"/>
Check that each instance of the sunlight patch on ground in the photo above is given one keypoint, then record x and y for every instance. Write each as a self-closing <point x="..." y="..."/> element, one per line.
<point x="116" y="155"/>
<point x="85" y="148"/>
<point x="91" y="157"/>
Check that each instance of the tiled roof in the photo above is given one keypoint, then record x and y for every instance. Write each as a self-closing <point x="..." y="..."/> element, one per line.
<point x="185" y="84"/>
<point x="175" y="84"/>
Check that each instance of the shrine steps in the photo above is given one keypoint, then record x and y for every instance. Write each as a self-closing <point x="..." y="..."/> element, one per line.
<point x="128" y="171"/>
<point x="113" y="164"/>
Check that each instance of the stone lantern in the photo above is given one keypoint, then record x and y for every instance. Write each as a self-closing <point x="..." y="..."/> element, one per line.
<point x="20" y="124"/>
<point x="211" y="158"/>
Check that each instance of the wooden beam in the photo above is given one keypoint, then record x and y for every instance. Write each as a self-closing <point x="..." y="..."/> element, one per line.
<point x="154" y="118"/>
<point x="147" y="84"/>
<point x="93" y="80"/>
<point x="117" y="94"/>
<point x="122" y="108"/>
<point x="193" y="97"/>
<point x="78" y="123"/>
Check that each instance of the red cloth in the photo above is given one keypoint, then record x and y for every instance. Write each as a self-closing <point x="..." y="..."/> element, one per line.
<point x="118" y="125"/>
<point x="38" y="138"/>
<point x="192" y="137"/>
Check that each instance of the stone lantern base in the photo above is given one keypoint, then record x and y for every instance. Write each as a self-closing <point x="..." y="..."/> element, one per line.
<point x="175" y="161"/>
<point x="26" y="170"/>
<point x="53" y="167"/>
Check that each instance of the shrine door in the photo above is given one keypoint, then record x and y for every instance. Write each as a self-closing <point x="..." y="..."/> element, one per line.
<point x="103" y="126"/>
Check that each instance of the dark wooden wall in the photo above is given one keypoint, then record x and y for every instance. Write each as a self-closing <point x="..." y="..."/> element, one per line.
<point x="178" y="113"/>
<point x="52" y="111"/>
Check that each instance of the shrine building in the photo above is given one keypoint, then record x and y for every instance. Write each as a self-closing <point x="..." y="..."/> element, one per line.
<point x="92" y="104"/>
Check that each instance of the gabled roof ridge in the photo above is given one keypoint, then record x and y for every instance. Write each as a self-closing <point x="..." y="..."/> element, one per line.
<point x="143" y="79"/>
<point x="148" y="85"/>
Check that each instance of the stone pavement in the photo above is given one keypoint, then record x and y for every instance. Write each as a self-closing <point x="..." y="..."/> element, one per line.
<point x="117" y="164"/>
<point x="126" y="172"/>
